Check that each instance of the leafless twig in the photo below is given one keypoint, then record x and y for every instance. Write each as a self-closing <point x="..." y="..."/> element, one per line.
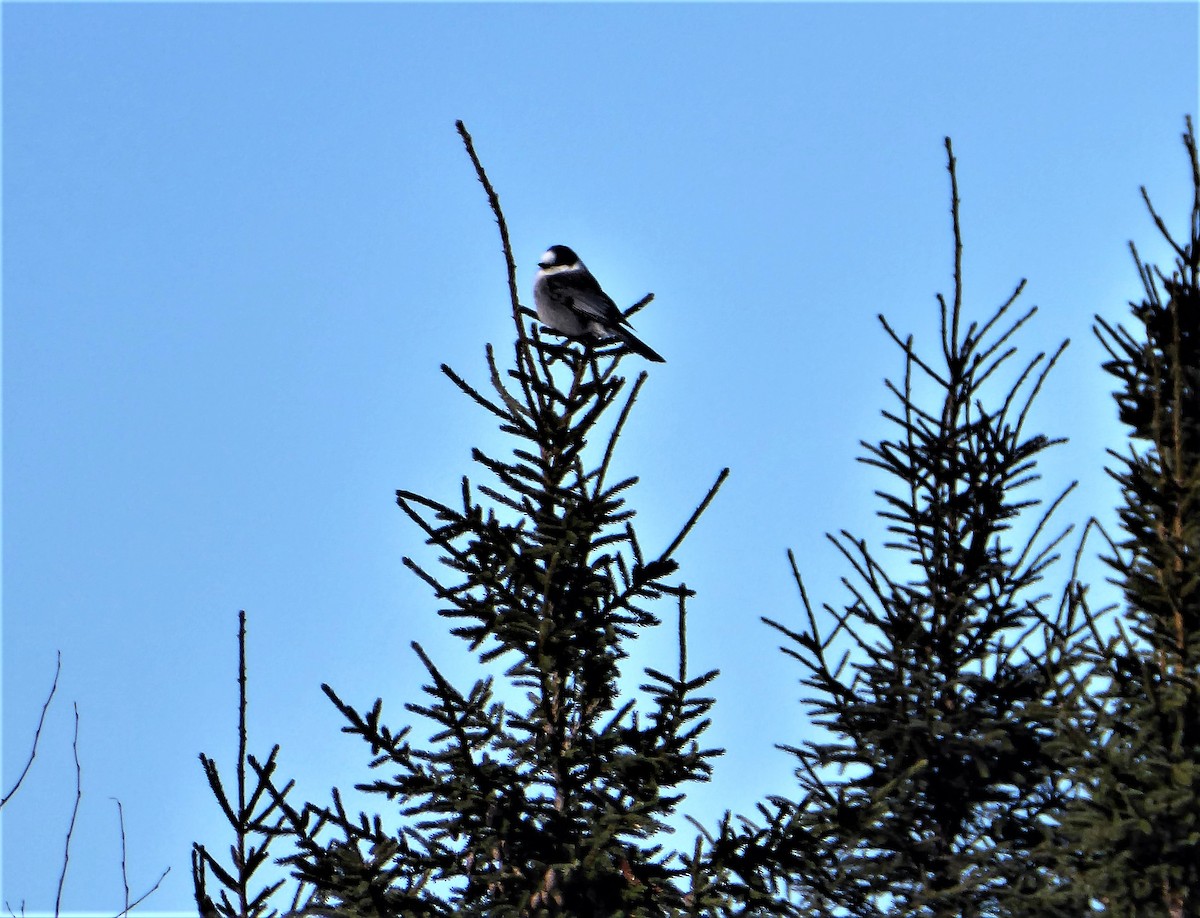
<point x="144" y="896"/>
<point x="124" y="871"/>
<point x="62" y="877"/>
<point x="37" y="734"/>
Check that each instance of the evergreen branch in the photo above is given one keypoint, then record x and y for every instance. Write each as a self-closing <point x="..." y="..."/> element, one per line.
<point x="549" y="393"/>
<point x="437" y="537"/>
<point x="683" y="634"/>
<point x="515" y="408"/>
<point x="440" y="591"/>
<point x="813" y="627"/>
<point x="202" y="862"/>
<point x="241" y="769"/>
<point x="444" y="690"/>
<point x="214" y="783"/>
<point x="1147" y="274"/>
<point x="204" y="902"/>
<point x="37" y="733"/>
<point x="906" y="346"/>
<point x="505" y="242"/>
<point x="516" y="477"/>
<point x="617" y="428"/>
<point x="603" y="397"/>
<point x="297" y="824"/>
<point x="1037" y="531"/>
<point x="1189" y="141"/>
<point x="443" y="512"/>
<point x="950" y="346"/>
<point x="371" y="729"/>
<point x="639" y="305"/>
<point x="546" y="352"/>
<point x="511" y="416"/>
<point x="687" y="527"/>
<point x="634" y="545"/>
<point x="1016" y="388"/>
<point x="616" y="538"/>
<point x="911" y="431"/>
<point x="1074" y="596"/>
<point x="1038" y="386"/>
<point x="1016" y="326"/>
<point x="1162" y="228"/>
<point x="868" y="569"/>
<point x="911" y="409"/>
<point x="1000" y="313"/>
<point x="522" y="507"/>
<point x="979" y="378"/>
<point x="1110" y="337"/>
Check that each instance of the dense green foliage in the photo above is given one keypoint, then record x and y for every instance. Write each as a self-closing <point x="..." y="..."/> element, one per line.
<point x="1136" y="824"/>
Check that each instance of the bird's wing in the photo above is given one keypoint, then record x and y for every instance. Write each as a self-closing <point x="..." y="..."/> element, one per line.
<point x="583" y="293"/>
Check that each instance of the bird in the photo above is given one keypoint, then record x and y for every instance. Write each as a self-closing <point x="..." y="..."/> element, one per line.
<point x="571" y="302"/>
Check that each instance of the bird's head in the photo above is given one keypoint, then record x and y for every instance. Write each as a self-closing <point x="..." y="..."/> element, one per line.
<point x="558" y="256"/>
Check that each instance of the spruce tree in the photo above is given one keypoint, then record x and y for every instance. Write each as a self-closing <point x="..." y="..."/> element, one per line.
<point x="1136" y="824"/>
<point x="547" y="785"/>
<point x="934" y="687"/>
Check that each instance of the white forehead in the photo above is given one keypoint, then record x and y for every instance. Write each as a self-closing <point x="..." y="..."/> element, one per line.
<point x="549" y="257"/>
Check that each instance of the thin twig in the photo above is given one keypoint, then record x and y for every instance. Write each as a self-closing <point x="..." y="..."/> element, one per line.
<point x="506" y="245"/>
<point x="36" y="733"/>
<point x="494" y="202"/>
<point x="146" y="895"/>
<point x="687" y="527"/>
<point x="124" y="870"/>
<point x="62" y="877"/>
<point x="1162" y="227"/>
<point x="616" y="431"/>
<point x="951" y="346"/>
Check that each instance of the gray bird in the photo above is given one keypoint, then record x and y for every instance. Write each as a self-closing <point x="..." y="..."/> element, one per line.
<point x="570" y="301"/>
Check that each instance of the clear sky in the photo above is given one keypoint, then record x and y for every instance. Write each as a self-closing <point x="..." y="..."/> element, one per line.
<point x="240" y="239"/>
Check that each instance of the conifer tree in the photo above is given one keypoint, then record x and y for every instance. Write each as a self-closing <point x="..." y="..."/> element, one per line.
<point x="546" y="787"/>
<point x="1136" y="825"/>
<point x="934" y="687"/>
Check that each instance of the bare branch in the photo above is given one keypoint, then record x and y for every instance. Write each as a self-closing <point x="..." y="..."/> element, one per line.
<point x="37" y="734"/>
<point x="62" y="877"/>
<point x="124" y="870"/>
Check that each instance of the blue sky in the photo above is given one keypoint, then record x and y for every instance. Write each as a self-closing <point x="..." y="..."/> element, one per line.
<point x="240" y="239"/>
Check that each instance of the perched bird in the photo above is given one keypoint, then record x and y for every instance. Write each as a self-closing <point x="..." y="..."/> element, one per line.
<point x="570" y="301"/>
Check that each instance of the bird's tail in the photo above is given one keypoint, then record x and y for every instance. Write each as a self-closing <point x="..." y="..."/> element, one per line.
<point x="638" y="346"/>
